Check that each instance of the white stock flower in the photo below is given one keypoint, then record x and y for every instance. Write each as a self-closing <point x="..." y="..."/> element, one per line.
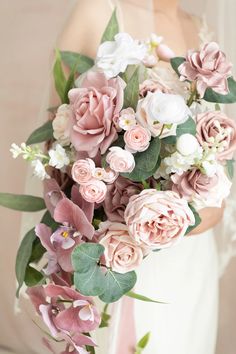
<point x="39" y="169"/>
<point x="161" y="108"/>
<point x="178" y="163"/>
<point x="61" y="125"/>
<point x="113" y="57"/>
<point x="58" y="157"/>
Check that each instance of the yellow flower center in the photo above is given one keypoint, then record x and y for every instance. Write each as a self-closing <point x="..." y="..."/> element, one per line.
<point x="65" y="234"/>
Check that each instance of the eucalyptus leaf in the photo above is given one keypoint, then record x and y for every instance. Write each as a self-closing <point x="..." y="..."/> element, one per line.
<point x="198" y="220"/>
<point x="176" y="62"/>
<point x="19" y="202"/>
<point x="112" y="28"/>
<point x="59" y="76"/>
<point x="117" y="285"/>
<point x="33" y="277"/>
<point x="43" y="133"/>
<point x="146" y="162"/>
<point x="131" y="93"/>
<point x="142" y="298"/>
<point x="23" y="257"/>
<point x="188" y="127"/>
<point x="212" y="96"/>
<point x="230" y="168"/>
<point x="171" y="140"/>
<point x="88" y="277"/>
<point x="82" y="62"/>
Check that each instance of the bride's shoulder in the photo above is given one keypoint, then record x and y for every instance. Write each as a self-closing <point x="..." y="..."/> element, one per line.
<point x="85" y="25"/>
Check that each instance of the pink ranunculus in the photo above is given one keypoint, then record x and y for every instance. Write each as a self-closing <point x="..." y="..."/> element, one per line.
<point x="110" y="176"/>
<point x="209" y="67"/>
<point x="216" y="128"/>
<point x="137" y="139"/>
<point x="199" y="189"/>
<point x="158" y="219"/>
<point x="151" y="85"/>
<point x="120" y="160"/>
<point x="82" y="170"/>
<point x="66" y="322"/>
<point x="93" y="191"/>
<point x="94" y="105"/>
<point x="117" y="197"/>
<point x="121" y="253"/>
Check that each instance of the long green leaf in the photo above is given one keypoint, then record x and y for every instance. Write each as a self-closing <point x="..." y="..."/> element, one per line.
<point x="131" y="94"/>
<point x="142" y="298"/>
<point x="71" y="59"/>
<point x="176" y="62"/>
<point x="21" y="202"/>
<point x="33" y="277"/>
<point x="41" y="134"/>
<point x="23" y="257"/>
<point x="112" y="28"/>
<point x="212" y="96"/>
<point x="59" y="76"/>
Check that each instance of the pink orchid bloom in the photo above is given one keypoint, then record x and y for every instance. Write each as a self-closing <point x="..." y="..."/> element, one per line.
<point x="52" y="194"/>
<point x="67" y="314"/>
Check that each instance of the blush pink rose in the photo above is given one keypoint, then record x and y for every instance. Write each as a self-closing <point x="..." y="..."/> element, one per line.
<point x="152" y="85"/>
<point x="215" y="127"/>
<point x="93" y="191"/>
<point x="94" y="105"/>
<point x="158" y="219"/>
<point x="120" y="160"/>
<point x="209" y="67"/>
<point x="137" y="139"/>
<point x="117" y="197"/>
<point x="83" y="170"/>
<point x="121" y="253"/>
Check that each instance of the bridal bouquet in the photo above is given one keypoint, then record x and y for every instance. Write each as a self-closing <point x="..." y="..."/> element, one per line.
<point x="132" y="154"/>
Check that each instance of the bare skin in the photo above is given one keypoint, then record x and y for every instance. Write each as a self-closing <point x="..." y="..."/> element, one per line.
<point x="177" y="27"/>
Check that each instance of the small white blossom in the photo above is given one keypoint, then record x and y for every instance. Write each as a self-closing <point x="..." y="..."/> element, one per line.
<point x="58" y="157"/>
<point x="127" y="119"/>
<point x="15" y="150"/>
<point x="177" y="163"/>
<point x="39" y="169"/>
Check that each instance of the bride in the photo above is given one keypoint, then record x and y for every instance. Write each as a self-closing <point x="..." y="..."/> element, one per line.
<point x="185" y="276"/>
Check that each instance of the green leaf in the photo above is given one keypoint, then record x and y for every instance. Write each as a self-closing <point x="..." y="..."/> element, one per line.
<point x="144" y="341"/>
<point x="105" y="317"/>
<point x="33" y="277"/>
<point x="170" y="140"/>
<point x="230" y="168"/>
<point x="176" y="62"/>
<point x="131" y="93"/>
<point x="88" y="277"/>
<point x="198" y="220"/>
<point x="142" y="297"/>
<point x="82" y="62"/>
<point x="146" y="162"/>
<point x="49" y="221"/>
<point x="23" y="257"/>
<point x="188" y="127"/>
<point x="37" y="251"/>
<point x="212" y="96"/>
<point x="116" y="285"/>
<point x="59" y="76"/>
<point x="43" y="133"/>
<point x="112" y="28"/>
<point x="21" y="202"/>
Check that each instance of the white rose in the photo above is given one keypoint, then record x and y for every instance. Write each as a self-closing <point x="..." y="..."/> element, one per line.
<point x="113" y="57"/>
<point x="187" y="144"/>
<point x="61" y="125"/>
<point x="161" y="108"/>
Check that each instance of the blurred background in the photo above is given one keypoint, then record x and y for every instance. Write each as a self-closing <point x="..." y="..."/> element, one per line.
<point x="28" y="32"/>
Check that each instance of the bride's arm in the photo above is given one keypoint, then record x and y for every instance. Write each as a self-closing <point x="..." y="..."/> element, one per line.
<point x="210" y="218"/>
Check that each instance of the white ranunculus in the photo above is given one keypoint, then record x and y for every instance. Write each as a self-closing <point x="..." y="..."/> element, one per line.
<point x="187" y="144"/>
<point x="113" y="57"/>
<point x="161" y="108"/>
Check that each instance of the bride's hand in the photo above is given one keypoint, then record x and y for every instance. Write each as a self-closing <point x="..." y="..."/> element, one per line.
<point x="210" y="218"/>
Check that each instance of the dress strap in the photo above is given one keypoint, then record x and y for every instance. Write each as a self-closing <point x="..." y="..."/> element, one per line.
<point x="116" y="4"/>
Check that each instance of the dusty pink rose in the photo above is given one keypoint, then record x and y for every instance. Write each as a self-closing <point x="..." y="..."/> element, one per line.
<point x="120" y="160"/>
<point x="164" y="52"/>
<point x="209" y="67"/>
<point x="82" y="171"/>
<point x="216" y="129"/>
<point x="93" y="191"/>
<point x="117" y="197"/>
<point x="121" y="253"/>
<point x="94" y="105"/>
<point x="158" y="219"/>
<point x="152" y="85"/>
<point x="137" y="139"/>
